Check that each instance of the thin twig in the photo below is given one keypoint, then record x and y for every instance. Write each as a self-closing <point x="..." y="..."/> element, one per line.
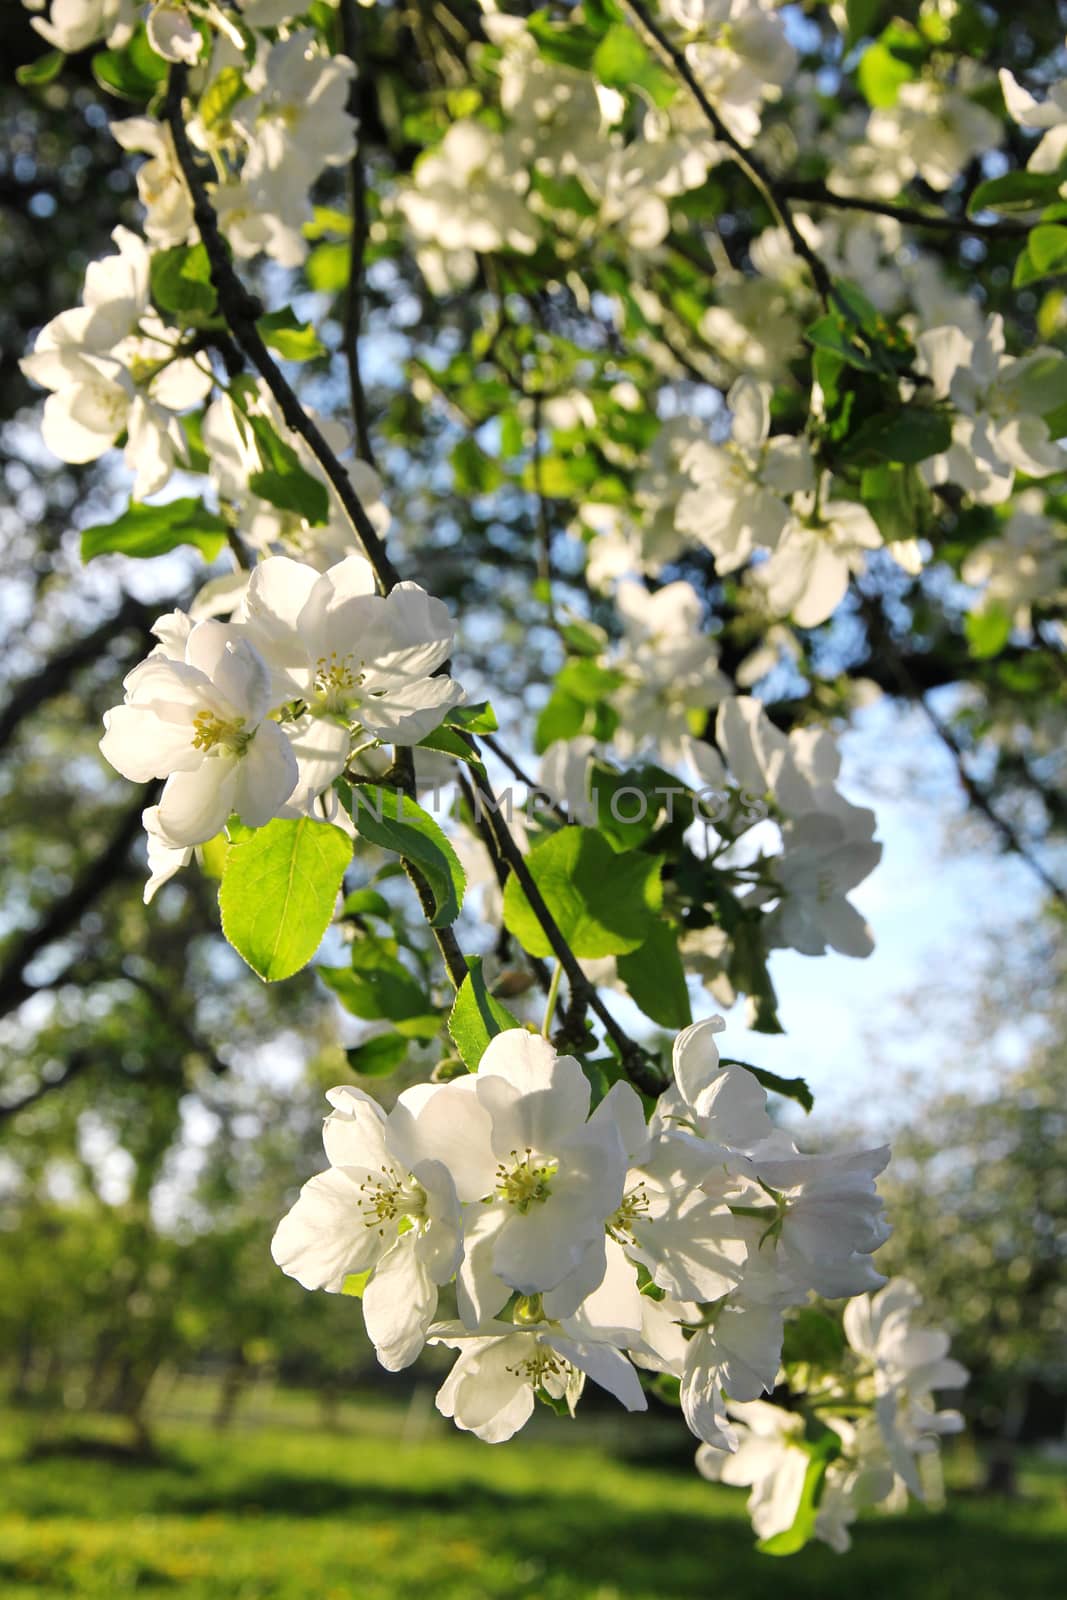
<point x="353" y="317"/>
<point x="976" y="792"/>
<point x="816" y="193"/>
<point x="241" y="311"/>
<point x="750" y="164"/>
<point x="639" y="1066"/>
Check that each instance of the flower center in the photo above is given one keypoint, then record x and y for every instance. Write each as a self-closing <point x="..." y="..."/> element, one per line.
<point x="229" y="738"/>
<point x="543" y="1363"/>
<point x="524" y="1183"/>
<point x="620" y="1225"/>
<point x="392" y="1197"/>
<point x="335" y="679"/>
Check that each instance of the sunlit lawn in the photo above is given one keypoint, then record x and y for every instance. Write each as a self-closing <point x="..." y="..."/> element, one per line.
<point x="395" y="1508"/>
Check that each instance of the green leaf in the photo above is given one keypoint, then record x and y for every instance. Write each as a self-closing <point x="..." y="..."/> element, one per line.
<point x="145" y="531"/>
<point x="355" y="1283"/>
<point x="135" y="72"/>
<point x="912" y="434"/>
<point x="796" y="1537"/>
<point x="379" y="988"/>
<point x="562" y="718"/>
<point x="655" y="977"/>
<point x="221" y="95"/>
<point x="328" y="266"/>
<point x="473" y="471"/>
<point x="621" y="62"/>
<point x="35" y="74"/>
<point x="294" y="340"/>
<point x="379" y="1055"/>
<point x="367" y="903"/>
<point x="1015" y="192"/>
<point x="861" y="16"/>
<point x="1048" y="247"/>
<point x="278" y="892"/>
<point x="393" y="821"/>
<point x="602" y="902"/>
<point x="892" y="61"/>
<point x="477" y="717"/>
<point x="180" y="281"/>
<point x="283" y="481"/>
<point x="476" y="1017"/>
<point x="793" y="1088"/>
<point x="988" y="631"/>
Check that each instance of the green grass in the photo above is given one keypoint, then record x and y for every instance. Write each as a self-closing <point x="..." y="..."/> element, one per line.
<point x="396" y="1508"/>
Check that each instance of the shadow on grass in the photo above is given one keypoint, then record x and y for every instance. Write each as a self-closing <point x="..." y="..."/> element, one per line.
<point x="964" y="1554"/>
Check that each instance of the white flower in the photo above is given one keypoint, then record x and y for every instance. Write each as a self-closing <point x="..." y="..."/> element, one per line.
<point x="164" y="858"/>
<point x="742" y="56"/>
<point x="359" y="662"/>
<point x="807" y="575"/>
<point x="1049" y="114"/>
<point x="201" y="723"/>
<point x="770" y="1460"/>
<point x="75" y="24"/>
<point x="724" y="1106"/>
<point x="934" y="131"/>
<point x="383" y="1209"/>
<point x="908" y="1362"/>
<point x="112" y="365"/>
<point x="549" y="1180"/>
<point x="1001" y="401"/>
<point x="1026" y="565"/>
<point x="825" y="855"/>
<point x="737" y="1356"/>
<point x="669" y="664"/>
<point x="160" y="184"/>
<point x="173" y="34"/>
<point x="798" y="770"/>
<point x="739" y="499"/>
<point x="466" y="193"/>
<point x="492" y="1388"/>
<point x="825" y="1219"/>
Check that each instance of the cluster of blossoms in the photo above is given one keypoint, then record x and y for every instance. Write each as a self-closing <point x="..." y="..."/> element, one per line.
<point x="577" y="1244"/>
<point x="258" y="716"/>
<point x="546" y="1239"/>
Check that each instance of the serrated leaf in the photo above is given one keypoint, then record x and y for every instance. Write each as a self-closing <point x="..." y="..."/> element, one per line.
<point x="476" y="1017"/>
<point x="278" y="891"/>
<point x="478" y="717"/>
<point x="147" y="531"/>
<point x="603" y="902"/>
<point x="392" y="820"/>
<point x="377" y="987"/>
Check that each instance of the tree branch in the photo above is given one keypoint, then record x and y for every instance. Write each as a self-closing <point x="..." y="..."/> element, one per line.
<point x="241" y="311"/>
<point x="975" y="791"/>
<point x="818" y="194"/>
<point x="353" y="317"/>
<point x="66" y="912"/>
<point x="53" y="678"/>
